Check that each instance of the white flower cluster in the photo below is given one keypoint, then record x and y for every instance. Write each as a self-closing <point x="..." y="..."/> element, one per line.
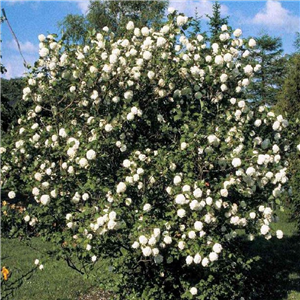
<point x="180" y="154"/>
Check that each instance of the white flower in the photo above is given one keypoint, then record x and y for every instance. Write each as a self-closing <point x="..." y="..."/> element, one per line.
<point x="36" y="262"/>
<point x="236" y="162"/>
<point x="224" y="192"/>
<point x="83" y="162"/>
<point x="27" y="218"/>
<point x="171" y="10"/>
<point x="183" y="145"/>
<point x="45" y="199"/>
<point x="257" y="123"/>
<point x="298" y="147"/>
<point x="250" y="171"/>
<point x="224" y="27"/>
<point x="205" y="262"/>
<point x="41" y="267"/>
<point x="147" y="55"/>
<point x="237" y="33"/>
<point x="130" y="25"/>
<point x="252" y="43"/>
<point x="197" y="258"/>
<point x="189" y="259"/>
<point x="181" y="213"/>
<point x="41" y="38"/>
<point x="35" y="191"/>
<point x="252" y="215"/>
<point x="181" y="245"/>
<point x="108" y="128"/>
<point x="193" y="291"/>
<point x="126" y="163"/>
<point x="208" y="58"/>
<point x="219" y="60"/>
<point x="167" y="239"/>
<point x="44" y="52"/>
<point x="213" y="140"/>
<point x="147" y="207"/>
<point x="143" y="240"/>
<point x="227" y="57"/>
<point x="245" y="82"/>
<point x="213" y="256"/>
<point x="177" y="180"/>
<point x="276" y="125"/>
<point x="145" y="31"/>
<point x="147" y="251"/>
<point x="248" y="70"/>
<point x="257" y="68"/>
<point x="180" y="199"/>
<point x="91" y="154"/>
<point x="279" y="234"/>
<point x="135" y="245"/>
<point x="121" y="187"/>
<point x="192" y="234"/>
<point x="11" y="195"/>
<point x="197" y="193"/>
<point x="181" y="20"/>
<point x="198" y="225"/>
<point x="223" y="77"/>
<point x="264" y="229"/>
<point x="85" y="196"/>
<point x="217" y="248"/>
<point x="161" y="41"/>
<point x="88" y="247"/>
<point x="94" y="258"/>
<point x="128" y="95"/>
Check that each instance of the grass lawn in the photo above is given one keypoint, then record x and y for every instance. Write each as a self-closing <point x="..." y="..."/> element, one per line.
<point x="279" y="267"/>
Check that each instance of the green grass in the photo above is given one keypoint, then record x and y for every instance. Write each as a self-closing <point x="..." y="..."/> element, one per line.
<point x="277" y="273"/>
<point x="56" y="282"/>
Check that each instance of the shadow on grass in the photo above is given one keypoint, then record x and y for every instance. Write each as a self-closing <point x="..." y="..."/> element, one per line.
<point x="277" y="271"/>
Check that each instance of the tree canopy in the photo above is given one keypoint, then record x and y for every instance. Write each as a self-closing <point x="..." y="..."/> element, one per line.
<point x="267" y="82"/>
<point x="113" y="14"/>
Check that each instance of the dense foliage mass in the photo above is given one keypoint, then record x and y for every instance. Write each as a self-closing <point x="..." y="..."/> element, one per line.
<point x="115" y="15"/>
<point x="143" y="149"/>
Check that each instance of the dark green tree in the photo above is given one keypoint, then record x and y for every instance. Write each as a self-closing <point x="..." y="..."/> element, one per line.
<point x="268" y="81"/>
<point x="12" y="106"/>
<point x="297" y="42"/>
<point x="114" y="15"/>
<point x="289" y="104"/>
<point x="215" y="22"/>
<point x="74" y="28"/>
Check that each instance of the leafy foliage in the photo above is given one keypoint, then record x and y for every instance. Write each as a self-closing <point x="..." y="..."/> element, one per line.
<point x="269" y="79"/>
<point x="11" y="105"/>
<point x="113" y="14"/>
<point x="143" y="150"/>
<point x="289" y="104"/>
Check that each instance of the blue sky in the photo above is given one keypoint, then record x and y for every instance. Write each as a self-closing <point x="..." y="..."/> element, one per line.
<point x="31" y="18"/>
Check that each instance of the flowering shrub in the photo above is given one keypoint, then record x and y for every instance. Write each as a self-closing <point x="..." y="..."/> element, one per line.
<point x="144" y="150"/>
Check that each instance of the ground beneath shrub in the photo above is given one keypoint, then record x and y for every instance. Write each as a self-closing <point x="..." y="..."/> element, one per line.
<point x="96" y="294"/>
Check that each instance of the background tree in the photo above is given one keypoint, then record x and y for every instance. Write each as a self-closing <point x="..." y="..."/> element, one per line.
<point x="297" y="42"/>
<point x="269" y="79"/>
<point x="113" y="14"/>
<point x="215" y="22"/>
<point x="289" y="104"/>
<point x="11" y="105"/>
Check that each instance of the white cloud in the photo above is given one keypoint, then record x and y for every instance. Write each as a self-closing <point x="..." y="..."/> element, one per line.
<point x="26" y="47"/>
<point x="12" y="2"/>
<point x="274" y="16"/>
<point x="83" y="6"/>
<point x="14" y="65"/>
<point x="203" y="7"/>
